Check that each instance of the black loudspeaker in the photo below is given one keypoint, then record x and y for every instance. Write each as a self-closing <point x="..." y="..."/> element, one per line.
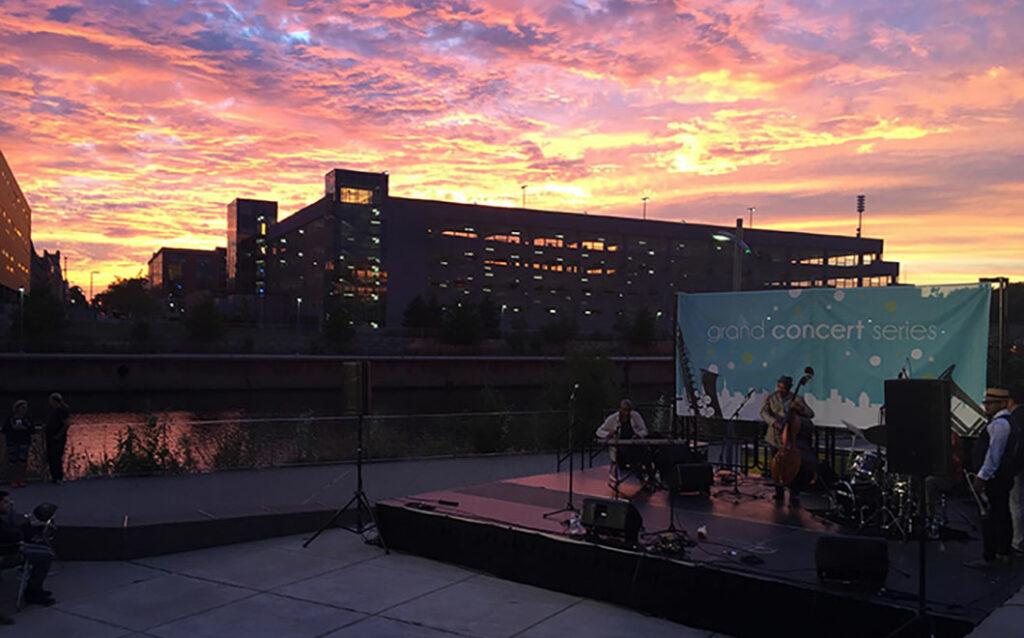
<point x="691" y="477"/>
<point x="671" y="455"/>
<point x="917" y="421"/>
<point x="611" y="518"/>
<point x="852" y="560"/>
<point x="356" y="386"/>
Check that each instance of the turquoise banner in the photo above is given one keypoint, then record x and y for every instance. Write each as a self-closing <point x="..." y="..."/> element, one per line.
<point x="855" y="338"/>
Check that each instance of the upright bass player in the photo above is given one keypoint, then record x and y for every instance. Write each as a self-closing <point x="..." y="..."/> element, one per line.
<point x="777" y="406"/>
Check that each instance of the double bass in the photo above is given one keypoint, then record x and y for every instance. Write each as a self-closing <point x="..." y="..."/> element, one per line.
<point x="786" y="462"/>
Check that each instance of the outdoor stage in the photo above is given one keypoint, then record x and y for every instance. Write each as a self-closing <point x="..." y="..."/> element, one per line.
<point x="753" y="575"/>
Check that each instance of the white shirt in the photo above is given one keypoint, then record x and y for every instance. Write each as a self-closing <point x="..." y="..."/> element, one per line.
<point x="610" y="427"/>
<point x="998" y="433"/>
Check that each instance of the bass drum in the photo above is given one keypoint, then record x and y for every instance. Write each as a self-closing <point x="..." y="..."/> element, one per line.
<point x="856" y="502"/>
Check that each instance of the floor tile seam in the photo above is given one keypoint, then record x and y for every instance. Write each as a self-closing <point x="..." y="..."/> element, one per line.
<point x="74" y="614"/>
<point x="321" y="574"/>
<point x="208" y="579"/>
<point x="402" y="621"/>
<point x="201" y="611"/>
<point x="548" y="617"/>
<point x="427" y="593"/>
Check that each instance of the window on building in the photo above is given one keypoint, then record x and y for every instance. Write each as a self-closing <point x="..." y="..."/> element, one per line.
<point x="355" y="195"/>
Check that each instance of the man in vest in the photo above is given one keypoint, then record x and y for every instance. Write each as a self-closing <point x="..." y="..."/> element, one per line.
<point x="1017" y="493"/>
<point x="995" y="479"/>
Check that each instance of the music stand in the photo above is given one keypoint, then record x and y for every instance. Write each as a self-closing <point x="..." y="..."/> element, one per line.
<point x="358" y="502"/>
<point x="569" y="507"/>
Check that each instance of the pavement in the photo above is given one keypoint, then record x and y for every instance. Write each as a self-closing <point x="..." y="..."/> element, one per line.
<point x="338" y="587"/>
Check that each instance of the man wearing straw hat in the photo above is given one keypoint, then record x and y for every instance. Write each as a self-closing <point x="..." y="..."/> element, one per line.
<point x="995" y="479"/>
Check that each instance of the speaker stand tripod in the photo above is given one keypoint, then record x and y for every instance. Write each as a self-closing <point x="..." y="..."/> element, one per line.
<point x="569" y="507"/>
<point x="365" y="520"/>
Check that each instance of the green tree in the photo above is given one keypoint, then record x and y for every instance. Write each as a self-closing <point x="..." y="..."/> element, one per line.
<point x="337" y="326"/>
<point x="461" y="325"/>
<point x="42" y="320"/>
<point x="490" y="315"/>
<point x="204" y="322"/>
<point x="129" y="298"/>
<point x="420" y="314"/>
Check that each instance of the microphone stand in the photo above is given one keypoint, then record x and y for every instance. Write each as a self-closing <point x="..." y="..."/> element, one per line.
<point x="735" y="491"/>
<point x="569" y="507"/>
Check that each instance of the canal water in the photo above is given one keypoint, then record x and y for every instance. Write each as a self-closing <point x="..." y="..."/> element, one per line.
<point x="176" y="432"/>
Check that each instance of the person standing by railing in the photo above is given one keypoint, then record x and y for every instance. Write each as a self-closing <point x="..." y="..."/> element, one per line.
<point x="57" y="436"/>
<point x="18" y="437"/>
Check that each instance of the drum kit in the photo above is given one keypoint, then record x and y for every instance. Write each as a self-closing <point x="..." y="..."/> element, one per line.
<point x="870" y="497"/>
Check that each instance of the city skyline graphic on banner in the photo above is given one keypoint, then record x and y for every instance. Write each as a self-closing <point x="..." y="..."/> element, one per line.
<point x="854" y="340"/>
<point x="130" y="125"/>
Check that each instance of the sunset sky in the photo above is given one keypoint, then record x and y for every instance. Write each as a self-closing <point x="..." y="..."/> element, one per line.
<point x="131" y="124"/>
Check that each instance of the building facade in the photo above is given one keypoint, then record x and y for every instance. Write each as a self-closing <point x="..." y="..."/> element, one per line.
<point x="248" y="223"/>
<point x="178" y="274"/>
<point x="375" y="254"/>
<point x="15" y="236"/>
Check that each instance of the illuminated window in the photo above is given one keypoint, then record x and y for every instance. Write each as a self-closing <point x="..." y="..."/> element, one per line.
<point x="356" y="196"/>
<point x="459" y="233"/>
<point x="505" y="239"/>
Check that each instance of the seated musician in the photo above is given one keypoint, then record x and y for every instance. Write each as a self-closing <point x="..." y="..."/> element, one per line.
<point x="773" y="411"/>
<point x="627" y="424"/>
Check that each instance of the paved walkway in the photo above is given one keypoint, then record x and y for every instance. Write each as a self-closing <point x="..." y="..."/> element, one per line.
<point x="338" y="587"/>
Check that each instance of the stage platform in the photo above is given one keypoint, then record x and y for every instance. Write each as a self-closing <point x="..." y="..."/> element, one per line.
<point x="753" y="575"/>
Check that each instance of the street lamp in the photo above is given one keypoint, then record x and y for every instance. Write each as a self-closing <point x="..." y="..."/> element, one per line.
<point x="740" y="248"/>
<point x="298" y="314"/>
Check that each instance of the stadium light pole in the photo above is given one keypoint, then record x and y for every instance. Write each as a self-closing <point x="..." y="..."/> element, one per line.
<point x="739" y="249"/>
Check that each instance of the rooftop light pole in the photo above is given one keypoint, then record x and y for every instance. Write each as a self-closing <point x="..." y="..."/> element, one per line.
<point x="739" y="249"/>
<point x="860" y="212"/>
<point x="644" y="200"/>
<point x="750" y="211"/>
<point x="524" y="194"/>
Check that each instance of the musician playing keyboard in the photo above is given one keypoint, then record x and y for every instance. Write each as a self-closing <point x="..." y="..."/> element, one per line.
<point x="627" y="424"/>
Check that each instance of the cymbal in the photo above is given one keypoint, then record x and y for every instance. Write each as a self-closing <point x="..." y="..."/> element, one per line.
<point x="876" y="434"/>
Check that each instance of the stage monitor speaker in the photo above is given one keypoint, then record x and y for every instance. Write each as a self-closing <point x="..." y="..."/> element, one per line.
<point x="611" y="518"/>
<point x="852" y="560"/>
<point x="691" y="477"/>
<point x="917" y="418"/>
<point x="355" y="381"/>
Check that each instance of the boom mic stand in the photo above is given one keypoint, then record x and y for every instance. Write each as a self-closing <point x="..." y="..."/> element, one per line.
<point x="569" y="507"/>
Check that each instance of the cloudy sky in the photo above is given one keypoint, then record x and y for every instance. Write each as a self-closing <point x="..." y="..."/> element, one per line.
<point x="131" y="124"/>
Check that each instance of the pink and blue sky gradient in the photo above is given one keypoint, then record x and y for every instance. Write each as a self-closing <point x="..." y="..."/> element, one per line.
<point x="131" y="124"/>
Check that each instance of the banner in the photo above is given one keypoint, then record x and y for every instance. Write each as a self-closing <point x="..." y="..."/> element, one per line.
<point x="740" y="343"/>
